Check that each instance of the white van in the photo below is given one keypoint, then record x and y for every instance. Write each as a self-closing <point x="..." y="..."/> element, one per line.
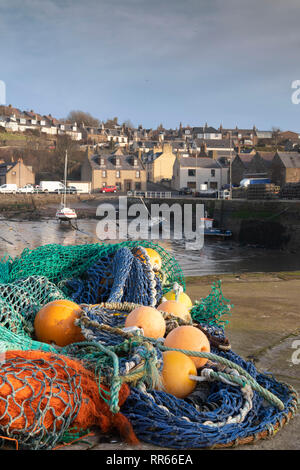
<point x="8" y="188"/>
<point x="51" y="186"/>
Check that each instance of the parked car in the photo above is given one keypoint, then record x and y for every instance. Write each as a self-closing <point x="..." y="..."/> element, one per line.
<point x="28" y="188"/>
<point x="185" y="191"/>
<point x="8" y="188"/>
<point x="68" y="190"/>
<point x="209" y="193"/>
<point x="109" y="189"/>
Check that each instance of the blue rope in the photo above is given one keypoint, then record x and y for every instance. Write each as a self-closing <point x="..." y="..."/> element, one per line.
<point x="118" y="278"/>
<point x="164" y="420"/>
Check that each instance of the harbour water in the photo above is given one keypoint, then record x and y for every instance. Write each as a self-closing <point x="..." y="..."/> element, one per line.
<point x="214" y="258"/>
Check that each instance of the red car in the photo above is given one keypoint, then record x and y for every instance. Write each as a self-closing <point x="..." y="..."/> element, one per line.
<point x="108" y="189"/>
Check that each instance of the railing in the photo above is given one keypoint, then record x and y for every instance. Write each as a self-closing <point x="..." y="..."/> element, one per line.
<point x="151" y="194"/>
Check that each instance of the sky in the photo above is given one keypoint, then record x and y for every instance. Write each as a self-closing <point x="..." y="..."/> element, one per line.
<point x="229" y="62"/>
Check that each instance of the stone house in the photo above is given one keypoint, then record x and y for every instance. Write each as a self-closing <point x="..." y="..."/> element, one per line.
<point x="286" y="168"/>
<point x="260" y="165"/>
<point x="159" y="163"/>
<point x="252" y="165"/>
<point x="16" y="173"/>
<point x="240" y="165"/>
<point x="124" y="171"/>
<point x="246" y="137"/>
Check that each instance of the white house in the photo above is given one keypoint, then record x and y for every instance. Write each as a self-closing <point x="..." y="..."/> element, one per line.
<point x="192" y="172"/>
<point x="206" y="132"/>
<point x="117" y="136"/>
<point x="50" y="130"/>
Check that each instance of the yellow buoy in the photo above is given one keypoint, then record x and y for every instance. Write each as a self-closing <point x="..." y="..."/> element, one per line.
<point x="149" y="319"/>
<point x="177" y="367"/>
<point x="175" y="308"/>
<point x="183" y="298"/>
<point x="54" y="323"/>
<point x="189" y="338"/>
<point x="155" y="259"/>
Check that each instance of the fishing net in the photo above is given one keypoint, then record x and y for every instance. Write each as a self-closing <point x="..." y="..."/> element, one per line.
<point x="212" y="309"/>
<point x="58" y="262"/>
<point x="124" y="277"/>
<point x="42" y="395"/>
<point x="22" y="299"/>
<point x="112" y="379"/>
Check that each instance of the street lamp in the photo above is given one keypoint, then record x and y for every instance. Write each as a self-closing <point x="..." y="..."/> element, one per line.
<point x="230" y="166"/>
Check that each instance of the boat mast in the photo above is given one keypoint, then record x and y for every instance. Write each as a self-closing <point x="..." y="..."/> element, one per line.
<point x="66" y="166"/>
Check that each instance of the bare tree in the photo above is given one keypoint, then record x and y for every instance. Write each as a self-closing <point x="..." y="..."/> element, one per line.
<point x="81" y="117"/>
<point x="128" y="123"/>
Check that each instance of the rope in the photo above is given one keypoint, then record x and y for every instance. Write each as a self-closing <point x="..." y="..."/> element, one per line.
<point x="245" y="380"/>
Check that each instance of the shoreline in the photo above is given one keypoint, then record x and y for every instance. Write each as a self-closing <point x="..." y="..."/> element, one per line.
<point x="272" y="276"/>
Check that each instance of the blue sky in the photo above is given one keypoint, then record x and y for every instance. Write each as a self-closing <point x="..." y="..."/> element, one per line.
<point x="159" y="61"/>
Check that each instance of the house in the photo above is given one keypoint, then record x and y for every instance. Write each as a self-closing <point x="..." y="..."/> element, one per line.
<point x="206" y="132"/>
<point x="17" y="173"/>
<point x="239" y="167"/>
<point x="117" y="136"/>
<point x="194" y="171"/>
<point x="93" y="135"/>
<point x="124" y="171"/>
<point x="213" y="147"/>
<point x="245" y="137"/>
<point x="285" y="136"/>
<point x="159" y="163"/>
<point x="285" y="168"/>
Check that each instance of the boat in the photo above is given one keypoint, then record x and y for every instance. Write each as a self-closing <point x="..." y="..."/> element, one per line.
<point x="65" y="213"/>
<point x="153" y="221"/>
<point x="213" y="232"/>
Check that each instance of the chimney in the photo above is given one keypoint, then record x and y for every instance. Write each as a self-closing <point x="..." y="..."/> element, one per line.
<point x="203" y="150"/>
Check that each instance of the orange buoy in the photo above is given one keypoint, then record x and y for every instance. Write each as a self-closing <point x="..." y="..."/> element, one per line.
<point x="177" y="367"/>
<point x="189" y="338"/>
<point x="175" y="308"/>
<point x="54" y="323"/>
<point x="183" y="298"/>
<point x="155" y="259"/>
<point x="149" y="319"/>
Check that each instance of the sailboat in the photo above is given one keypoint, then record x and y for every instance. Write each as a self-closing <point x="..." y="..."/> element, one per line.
<point x="65" y="213"/>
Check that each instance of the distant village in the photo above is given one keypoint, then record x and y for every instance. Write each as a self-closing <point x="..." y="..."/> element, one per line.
<point x="114" y="154"/>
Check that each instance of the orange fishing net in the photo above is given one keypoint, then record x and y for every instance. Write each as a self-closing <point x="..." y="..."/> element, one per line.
<point x="42" y="394"/>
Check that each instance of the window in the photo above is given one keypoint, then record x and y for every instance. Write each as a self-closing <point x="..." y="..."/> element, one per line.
<point x="118" y="174"/>
<point x="102" y="161"/>
<point x="213" y="173"/>
<point x="117" y="161"/>
<point x="191" y="172"/>
<point x="103" y="173"/>
<point x="138" y="186"/>
<point x="137" y="174"/>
